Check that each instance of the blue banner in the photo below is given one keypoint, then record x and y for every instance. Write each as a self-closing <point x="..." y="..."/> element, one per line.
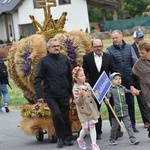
<point x="101" y="87"/>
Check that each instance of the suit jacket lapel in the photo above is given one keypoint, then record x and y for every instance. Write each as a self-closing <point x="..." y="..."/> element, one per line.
<point x="103" y="63"/>
<point x="93" y="64"/>
<point x="136" y="49"/>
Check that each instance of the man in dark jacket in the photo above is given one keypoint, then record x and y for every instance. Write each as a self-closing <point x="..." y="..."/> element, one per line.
<point x="94" y="63"/>
<point x="124" y="57"/>
<point x="53" y="84"/>
<point x="139" y="36"/>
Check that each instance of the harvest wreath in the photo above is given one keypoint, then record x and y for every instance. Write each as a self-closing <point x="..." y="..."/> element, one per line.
<point x="24" y="57"/>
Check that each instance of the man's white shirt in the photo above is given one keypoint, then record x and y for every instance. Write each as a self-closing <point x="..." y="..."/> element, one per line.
<point x="98" y="61"/>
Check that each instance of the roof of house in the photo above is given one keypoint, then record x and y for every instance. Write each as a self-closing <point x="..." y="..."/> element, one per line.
<point x="7" y="6"/>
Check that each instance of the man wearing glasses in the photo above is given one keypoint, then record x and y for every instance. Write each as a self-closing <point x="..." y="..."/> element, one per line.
<point x="53" y="85"/>
<point x="94" y="63"/>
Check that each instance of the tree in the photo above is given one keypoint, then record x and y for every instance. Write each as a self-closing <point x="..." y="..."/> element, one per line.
<point x="135" y="8"/>
<point x="94" y="14"/>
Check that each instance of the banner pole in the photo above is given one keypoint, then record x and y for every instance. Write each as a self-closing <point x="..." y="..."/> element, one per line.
<point x="123" y="129"/>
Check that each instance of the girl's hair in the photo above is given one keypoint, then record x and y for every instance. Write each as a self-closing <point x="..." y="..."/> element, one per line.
<point x="75" y="72"/>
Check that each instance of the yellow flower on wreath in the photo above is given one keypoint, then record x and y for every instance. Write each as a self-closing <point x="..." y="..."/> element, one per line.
<point x="35" y="110"/>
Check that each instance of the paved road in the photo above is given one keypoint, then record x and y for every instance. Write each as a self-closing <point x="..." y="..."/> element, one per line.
<point x="11" y="138"/>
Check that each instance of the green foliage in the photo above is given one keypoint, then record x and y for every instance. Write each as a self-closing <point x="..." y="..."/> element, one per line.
<point x="94" y="14"/>
<point x="134" y="7"/>
<point x="21" y="37"/>
<point x="8" y="41"/>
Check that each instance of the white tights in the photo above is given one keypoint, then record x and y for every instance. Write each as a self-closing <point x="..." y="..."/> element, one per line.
<point x="92" y="132"/>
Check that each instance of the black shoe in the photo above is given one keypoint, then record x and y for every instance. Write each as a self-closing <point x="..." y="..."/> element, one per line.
<point x="6" y="109"/>
<point x="135" y="130"/>
<point x="98" y="136"/>
<point x="60" y="143"/>
<point x="68" y="143"/>
<point x="119" y="135"/>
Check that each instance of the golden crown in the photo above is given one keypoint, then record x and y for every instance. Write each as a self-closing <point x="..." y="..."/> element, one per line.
<point x="50" y="26"/>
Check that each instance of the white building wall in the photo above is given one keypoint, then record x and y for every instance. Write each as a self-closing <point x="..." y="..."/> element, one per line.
<point x="16" y="25"/>
<point x="3" y="28"/>
<point x="11" y="31"/>
<point x="27" y="9"/>
<point x="77" y="17"/>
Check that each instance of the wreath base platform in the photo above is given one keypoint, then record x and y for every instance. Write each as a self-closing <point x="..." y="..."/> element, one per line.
<point x="34" y="126"/>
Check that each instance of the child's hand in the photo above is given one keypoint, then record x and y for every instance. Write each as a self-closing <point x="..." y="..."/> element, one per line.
<point x="81" y="92"/>
<point x="106" y="100"/>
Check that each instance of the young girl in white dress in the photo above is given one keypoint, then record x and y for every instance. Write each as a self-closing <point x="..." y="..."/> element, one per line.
<point x="88" y="113"/>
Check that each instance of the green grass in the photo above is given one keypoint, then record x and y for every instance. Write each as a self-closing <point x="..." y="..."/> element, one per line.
<point x="15" y="96"/>
<point x="128" y="39"/>
<point x="17" y="99"/>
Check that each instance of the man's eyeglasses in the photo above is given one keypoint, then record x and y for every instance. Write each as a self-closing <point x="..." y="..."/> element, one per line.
<point x="54" y="46"/>
<point x="99" y="46"/>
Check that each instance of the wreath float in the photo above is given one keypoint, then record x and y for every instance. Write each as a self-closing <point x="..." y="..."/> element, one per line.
<point x="24" y="57"/>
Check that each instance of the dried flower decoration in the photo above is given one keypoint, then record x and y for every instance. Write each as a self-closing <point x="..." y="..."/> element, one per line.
<point x="71" y="52"/>
<point x="76" y="70"/>
<point x="26" y="62"/>
<point x="35" y="110"/>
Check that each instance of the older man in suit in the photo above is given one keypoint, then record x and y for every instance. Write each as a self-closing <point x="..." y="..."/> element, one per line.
<point x="94" y="63"/>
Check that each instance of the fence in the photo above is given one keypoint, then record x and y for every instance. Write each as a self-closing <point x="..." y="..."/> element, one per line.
<point x="126" y="24"/>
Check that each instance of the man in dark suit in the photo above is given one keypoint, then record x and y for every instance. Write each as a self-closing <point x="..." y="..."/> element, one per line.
<point x="94" y="63"/>
<point x="139" y="36"/>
